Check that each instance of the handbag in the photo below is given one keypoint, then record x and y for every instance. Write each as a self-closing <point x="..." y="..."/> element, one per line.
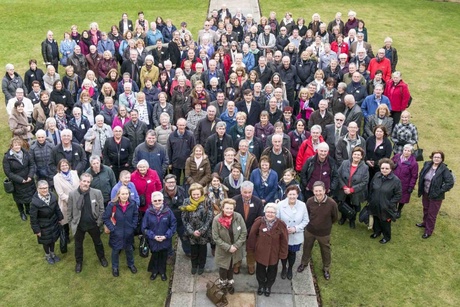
<point x="144" y="247"/>
<point x="8" y="185"/>
<point x="88" y="146"/>
<point x="215" y="293"/>
<point x="62" y="240"/>
<point x="364" y="215"/>
<point x="112" y="219"/>
<point x="346" y="210"/>
<point x="418" y="152"/>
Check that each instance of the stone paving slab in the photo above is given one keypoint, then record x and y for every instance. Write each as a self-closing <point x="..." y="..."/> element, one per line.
<point x="182" y="299"/>
<point x="280" y="300"/>
<point x="305" y="300"/>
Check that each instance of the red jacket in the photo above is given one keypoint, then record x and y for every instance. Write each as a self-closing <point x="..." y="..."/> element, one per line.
<point x="305" y="151"/>
<point x="146" y="185"/>
<point x="398" y="94"/>
<point x="384" y="65"/>
<point x="335" y="47"/>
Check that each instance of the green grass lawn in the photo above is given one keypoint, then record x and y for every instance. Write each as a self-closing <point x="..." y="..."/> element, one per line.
<point x="408" y="271"/>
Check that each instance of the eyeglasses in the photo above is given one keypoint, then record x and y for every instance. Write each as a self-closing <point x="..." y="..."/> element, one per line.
<point x="170" y="182"/>
<point x="157" y="200"/>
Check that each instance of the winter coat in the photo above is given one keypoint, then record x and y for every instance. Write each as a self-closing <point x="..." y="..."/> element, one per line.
<point x="384" y="194"/>
<point x="74" y="211"/>
<point x="197" y="174"/>
<point x="39" y="114"/>
<point x="407" y="172"/>
<point x="44" y="219"/>
<point x="201" y="220"/>
<point x="63" y="189"/>
<point x="223" y="242"/>
<point x="17" y="172"/>
<point x="41" y="155"/>
<point x="117" y="154"/>
<point x="162" y="224"/>
<point x="94" y="136"/>
<point x="309" y="166"/>
<point x="158" y="109"/>
<point x="18" y="124"/>
<point x="146" y="185"/>
<point x="204" y="129"/>
<point x="179" y="148"/>
<point x="78" y="161"/>
<point x="122" y="233"/>
<point x="155" y="156"/>
<point x="343" y="149"/>
<point x="180" y="101"/>
<point x="135" y="135"/>
<point x="359" y="182"/>
<point x="211" y="147"/>
<point x="10" y="85"/>
<point x="265" y="190"/>
<point x="403" y="134"/>
<point x="79" y="131"/>
<point x="296" y="217"/>
<point x="134" y="196"/>
<point x="398" y="94"/>
<point x="441" y="182"/>
<point x="104" y="181"/>
<point x="268" y="246"/>
<point x="306" y="151"/>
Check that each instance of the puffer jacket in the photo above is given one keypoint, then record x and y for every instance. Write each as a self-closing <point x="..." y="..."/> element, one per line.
<point x="44" y="219"/>
<point x="40" y="155"/>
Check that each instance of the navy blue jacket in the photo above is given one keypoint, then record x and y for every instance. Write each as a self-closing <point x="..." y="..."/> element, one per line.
<point x="163" y="224"/>
<point x="122" y="233"/>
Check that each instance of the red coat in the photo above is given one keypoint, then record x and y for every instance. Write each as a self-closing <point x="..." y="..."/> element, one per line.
<point x="384" y="65"/>
<point x="305" y="151"/>
<point x="335" y="48"/>
<point x="146" y="185"/>
<point x="398" y="94"/>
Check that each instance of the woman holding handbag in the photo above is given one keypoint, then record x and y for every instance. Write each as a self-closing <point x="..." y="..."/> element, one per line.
<point x="159" y="226"/>
<point x="96" y="136"/>
<point x="120" y="217"/>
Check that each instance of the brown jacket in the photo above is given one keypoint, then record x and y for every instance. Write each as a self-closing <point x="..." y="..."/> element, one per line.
<point x="201" y="174"/>
<point x="322" y="215"/>
<point x="18" y="123"/>
<point x="251" y="164"/>
<point x="39" y="115"/>
<point x="268" y="246"/>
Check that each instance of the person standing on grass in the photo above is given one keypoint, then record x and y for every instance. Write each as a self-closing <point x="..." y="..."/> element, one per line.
<point x="45" y="216"/>
<point x="84" y="213"/>
<point x="120" y="217"/>
<point x="323" y="213"/>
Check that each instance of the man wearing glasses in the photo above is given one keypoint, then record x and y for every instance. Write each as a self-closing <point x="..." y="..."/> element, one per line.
<point x="334" y="131"/>
<point x="207" y="31"/>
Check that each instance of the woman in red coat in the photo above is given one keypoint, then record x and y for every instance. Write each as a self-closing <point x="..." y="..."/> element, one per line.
<point x="398" y="93"/>
<point x="407" y="171"/>
<point x="146" y="181"/>
<point x="339" y="46"/>
<point x="268" y="240"/>
<point x="307" y="149"/>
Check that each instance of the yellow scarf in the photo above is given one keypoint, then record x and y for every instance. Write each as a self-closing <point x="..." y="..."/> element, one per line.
<point x="193" y="204"/>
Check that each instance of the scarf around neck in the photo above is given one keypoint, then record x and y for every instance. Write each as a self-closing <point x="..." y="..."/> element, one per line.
<point x="193" y="204"/>
<point x="226" y="221"/>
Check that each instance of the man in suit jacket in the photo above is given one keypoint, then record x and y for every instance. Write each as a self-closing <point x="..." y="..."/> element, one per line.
<point x="217" y="143"/>
<point x="212" y="72"/>
<point x="251" y="108"/>
<point x="85" y="208"/>
<point x="250" y="207"/>
<point x="333" y="132"/>
<point x="125" y="24"/>
<point x="256" y="146"/>
<point x="360" y="43"/>
<point x="264" y="72"/>
<point x="353" y="111"/>
<point x="73" y="152"/>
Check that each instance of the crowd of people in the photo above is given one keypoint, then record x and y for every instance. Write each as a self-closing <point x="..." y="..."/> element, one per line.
<point x="249" y="138"/>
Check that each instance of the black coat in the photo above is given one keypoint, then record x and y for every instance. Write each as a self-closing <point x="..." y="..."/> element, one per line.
<point x="117" y="154"/>
<point x="180" y="148"/>
<point x="384" y="194"/>
<point x="253" y="114"/>
<point x="359" y="182"/>
<point x="211" y="148"/>
<point x="18" y="172"/>
<point x="256" y="147"/>
<point x="135" y="135"/>
<point x="264" y="77"/>
<point x="45" y="219"/>
<point x="442" y="181"/>
<point x="78" y="161"/>
<point x="306" y="71"/>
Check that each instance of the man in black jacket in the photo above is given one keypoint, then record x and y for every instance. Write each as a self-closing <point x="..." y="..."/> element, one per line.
<point x="264" y="72"/>
<point x="135" y="130"/>
<point x="117" y="152"/>
<point x="217" y="143"/>
<point x="206" y="126"/>
<point x="289" y="76"/>
<point x="179" y="147"/>
<point x="50" y="51"/>
<point x="251" y="108"/>
<point x="132" y="66"/>
<point x="73" y="152"/>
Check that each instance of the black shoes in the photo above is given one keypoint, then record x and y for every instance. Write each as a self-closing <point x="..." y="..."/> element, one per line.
<point x="267" y="292"/>
<point x="104" y="262"/>
<point x="289" y="273"/>
<point x="426" y="236"/>
<point x="78" y="267"/>
<point x="301" y="268"/>
<point x="342" y="220"/>
<point x="420" y="225"/>
<point x="115" y="272"/>
<point x="327" y="275"/>
<point x="23" y="216"/>
<point x="384" y="241"/>
<point x="230" y="289"/>
<point x="398" y="214"/>
<point x="200" y="271"/>
<point x="133" y="269"/>
<point x="260" y="290"/>
<point x="153" y="276"/>
<point x="374" y="235"/>
<point x="283" y="273"/>
<point x="194" y="269"/>
<point x="163" y="277"/>
<point x="352" y="224"/>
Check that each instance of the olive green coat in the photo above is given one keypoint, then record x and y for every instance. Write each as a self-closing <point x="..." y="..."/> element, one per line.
<point x="223" y="243"/>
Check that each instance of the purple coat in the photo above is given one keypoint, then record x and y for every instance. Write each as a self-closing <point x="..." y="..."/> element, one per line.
<point x="407" y="172"/>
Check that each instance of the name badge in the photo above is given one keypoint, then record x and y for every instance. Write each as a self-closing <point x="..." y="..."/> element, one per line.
<point x="251" y="205"/>
<point x="32" y="75"/>
<point x="201" y="168"/>
<point x="265" y="184"/>
<point x="238" y="136"/>
<point x="93" y="201"/>
<point x="76" y="154"/>
<point x="220" y="147"/>
<point x="263" y="135"/>
<point x="324" y="173"/>
<point x="357" y="92"/>
<point x="252" y="146"/>
<point x="264" y="230"/>
<point x="63" y="96"/>
<point x="279" y="162"/>
<point x="158" y="154"/>
<point x="148" y="181"/>
<point x="122" y="149"/>
<point x="238" y="228"/>
<point x="82" y="126"/>
<point x="296" y="140"/>
<point x="380" y="147"/>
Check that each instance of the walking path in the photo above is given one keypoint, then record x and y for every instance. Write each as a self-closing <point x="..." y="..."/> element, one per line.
<point x="190" y="290"/>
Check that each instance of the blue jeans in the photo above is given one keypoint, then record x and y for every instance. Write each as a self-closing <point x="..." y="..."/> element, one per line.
<point x="129" y="257"/>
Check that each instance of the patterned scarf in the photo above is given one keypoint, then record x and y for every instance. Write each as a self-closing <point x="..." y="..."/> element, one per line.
<point x="46" y="199"/>
<point x="102" y="135"/>
<point x="269" y="224"/>
<point x="61" y="122"/>
<point x="67" y="176"/>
